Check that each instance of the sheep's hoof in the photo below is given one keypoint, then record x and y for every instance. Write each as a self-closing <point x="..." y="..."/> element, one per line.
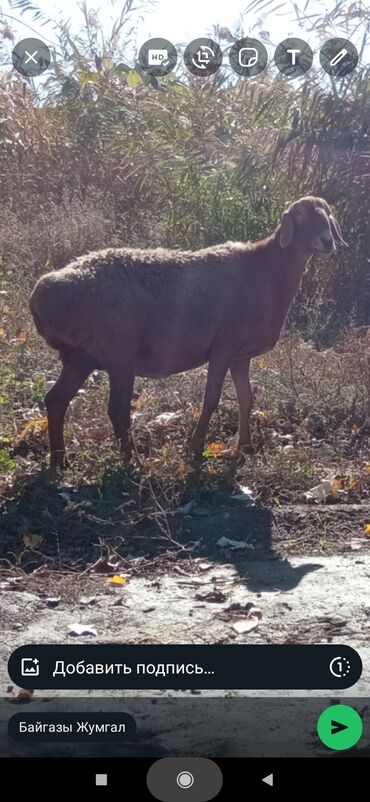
<point x="236" y="447"/>
<point x="58" y="462"/>
<point x="126" y="450"/>
<point x="196" y="447"/>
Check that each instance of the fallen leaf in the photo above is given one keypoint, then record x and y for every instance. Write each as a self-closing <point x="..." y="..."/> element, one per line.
<point x="22" y="698"/>
<point x="244" y="494"/>
<point x="246" y="625"/>
<point x="32" y="541"/>
<point x="320" y="492"/>
<point x="117" y="580"/>
<point x="81" y="629"/>
<point x="215" y="450"/>
<point x="200" y="511"/>
<point x="85" y="600"/>
<point x="33" y="426"/>
<point x="212" y="596"/>
<point x="166" y="417"/>
<point x="356" y="544"/>
<point x="225" y="542"/>
<point x="186" y="508"/>
<point x="367" y="530"/>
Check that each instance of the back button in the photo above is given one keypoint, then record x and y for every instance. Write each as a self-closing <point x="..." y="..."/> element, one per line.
<point x="196" y="779"/>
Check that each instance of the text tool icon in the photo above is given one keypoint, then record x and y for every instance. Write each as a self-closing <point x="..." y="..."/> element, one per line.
<point x="293" y="57"/>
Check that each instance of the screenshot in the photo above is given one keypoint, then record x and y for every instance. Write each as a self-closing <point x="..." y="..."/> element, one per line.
<point x="184" y="397"/>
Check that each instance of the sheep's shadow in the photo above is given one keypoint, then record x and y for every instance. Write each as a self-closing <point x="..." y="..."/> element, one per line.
<point x="253" y="550"/>
<point x="63" y="524"/>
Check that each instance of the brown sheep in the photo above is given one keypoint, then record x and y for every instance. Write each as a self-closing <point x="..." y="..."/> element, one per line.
<point x="157" y="312"/>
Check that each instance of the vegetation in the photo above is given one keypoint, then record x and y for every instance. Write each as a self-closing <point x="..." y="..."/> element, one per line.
<point x="99" y="153"/>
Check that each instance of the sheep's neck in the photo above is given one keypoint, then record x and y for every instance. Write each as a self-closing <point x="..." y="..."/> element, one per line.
<point x="293" y="261"/>
<point x="287" y="268"/>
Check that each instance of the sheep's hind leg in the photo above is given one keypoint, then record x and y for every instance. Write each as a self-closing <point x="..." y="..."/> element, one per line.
<point x="119" y="408"/>
<point x="75" y="370"/>
<point x="215" y="379"/>
<point x="240" y="376"/>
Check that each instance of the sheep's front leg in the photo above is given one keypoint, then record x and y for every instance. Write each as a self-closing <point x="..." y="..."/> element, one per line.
<point x="75" y="370"/>
<point x="215" y="379"/>
<point x="240" y="376"/>
<point x="119" y="407"/>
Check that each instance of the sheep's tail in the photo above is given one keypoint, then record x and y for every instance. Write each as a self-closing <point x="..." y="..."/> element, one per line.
<point x="63" y="348"/>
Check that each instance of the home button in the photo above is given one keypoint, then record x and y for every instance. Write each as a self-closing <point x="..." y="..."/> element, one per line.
<point x="195" y="779"/>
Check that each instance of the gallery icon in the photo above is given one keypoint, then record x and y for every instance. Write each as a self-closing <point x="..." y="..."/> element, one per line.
<point x="338" y="57"/>
<point x="248" y="57"/>
<point x="31" y="57"/>
<point x="203" y="57"/>
<point x="30" y="667"/>
<point x="158" y="57"/>
<point x="293" y="57"/>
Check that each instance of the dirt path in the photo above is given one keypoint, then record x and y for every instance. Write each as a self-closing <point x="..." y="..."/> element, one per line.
<point x="306" y="600"/>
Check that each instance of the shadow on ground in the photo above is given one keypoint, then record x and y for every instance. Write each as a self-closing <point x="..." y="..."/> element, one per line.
<point x="69" y="526"/>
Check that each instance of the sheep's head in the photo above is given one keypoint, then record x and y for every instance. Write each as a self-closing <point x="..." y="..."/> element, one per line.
<point x="310" y="223"/>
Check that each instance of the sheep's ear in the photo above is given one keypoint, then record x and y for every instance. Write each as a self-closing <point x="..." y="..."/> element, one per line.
<point x="336" y="232"/>
<point x="286" y="230"/>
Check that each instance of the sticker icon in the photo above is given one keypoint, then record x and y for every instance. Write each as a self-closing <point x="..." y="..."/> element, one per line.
<point x="248" y="57"/>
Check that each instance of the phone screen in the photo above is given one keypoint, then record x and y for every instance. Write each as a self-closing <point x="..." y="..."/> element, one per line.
<point x="184" y="394"/>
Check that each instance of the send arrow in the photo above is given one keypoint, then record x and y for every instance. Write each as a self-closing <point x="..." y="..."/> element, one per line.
<point x="336" y="727"/>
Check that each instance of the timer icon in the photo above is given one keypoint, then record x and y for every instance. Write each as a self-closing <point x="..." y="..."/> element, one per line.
<point x="340" y="667"/>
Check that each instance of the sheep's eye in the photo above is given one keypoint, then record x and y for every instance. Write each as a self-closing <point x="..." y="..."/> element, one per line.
<point x="298" y="213"/>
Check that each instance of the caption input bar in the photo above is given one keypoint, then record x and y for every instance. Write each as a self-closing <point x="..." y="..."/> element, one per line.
<point x="182" y="667"/>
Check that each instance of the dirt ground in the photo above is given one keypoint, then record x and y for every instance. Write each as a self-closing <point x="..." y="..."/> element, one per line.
<point x="210" y="594"/>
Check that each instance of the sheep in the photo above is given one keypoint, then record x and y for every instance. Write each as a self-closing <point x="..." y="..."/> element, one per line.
<point x="157" y="312"/>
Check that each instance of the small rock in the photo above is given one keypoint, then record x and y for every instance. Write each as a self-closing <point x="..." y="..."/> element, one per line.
<point x="246" y="626"/>
<point x="225" y="542"/>
<point x="80" y="630"/>
<point x="186" y="508"/>
<point x="200" y="511"/>
<point x="53" y="601"/>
